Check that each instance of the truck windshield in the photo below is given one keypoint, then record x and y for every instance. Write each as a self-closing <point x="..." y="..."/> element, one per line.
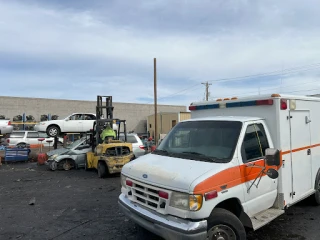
<point x="213" y="141"/>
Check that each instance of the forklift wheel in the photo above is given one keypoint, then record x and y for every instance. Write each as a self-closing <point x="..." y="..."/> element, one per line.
<point x="102" y="171"/>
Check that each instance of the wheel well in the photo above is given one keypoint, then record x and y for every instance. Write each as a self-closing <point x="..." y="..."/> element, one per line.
<point x="20" y="143"/>
<point x="67" y="159"/>
<point x="234" y="205"/>
<point x="54" y="125"/>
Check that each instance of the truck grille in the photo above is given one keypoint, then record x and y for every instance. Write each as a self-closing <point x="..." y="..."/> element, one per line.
<point x="147" y="195"/>
<point x="117" y="151"/>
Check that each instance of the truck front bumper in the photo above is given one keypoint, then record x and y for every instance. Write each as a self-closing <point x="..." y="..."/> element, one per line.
<point x="168" y="227"/>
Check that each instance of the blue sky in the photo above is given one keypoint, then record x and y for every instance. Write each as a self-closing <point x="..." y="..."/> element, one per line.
<point x="78" y="49"/>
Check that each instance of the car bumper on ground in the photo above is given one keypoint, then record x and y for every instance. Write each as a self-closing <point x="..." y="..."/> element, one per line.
<point x="168" y="227"/>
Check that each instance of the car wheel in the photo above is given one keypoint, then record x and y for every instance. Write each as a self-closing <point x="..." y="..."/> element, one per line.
<point x="21" y="145"/>
<point x="223" y="224"/>
<point x="67" y="165"/>
<point x="53" y="131"/>
<point x="316" y="196"/>
<point x="102" y="170"/>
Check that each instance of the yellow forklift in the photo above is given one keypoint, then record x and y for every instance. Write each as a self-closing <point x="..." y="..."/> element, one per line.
<point x="109" y="156"/>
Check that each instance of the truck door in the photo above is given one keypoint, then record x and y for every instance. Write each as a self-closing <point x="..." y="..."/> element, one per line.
<point x="260" y="191"/>
<point x="300" y="144"/>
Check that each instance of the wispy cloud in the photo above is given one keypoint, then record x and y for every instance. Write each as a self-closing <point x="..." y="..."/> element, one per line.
<point x="76" y="50"/>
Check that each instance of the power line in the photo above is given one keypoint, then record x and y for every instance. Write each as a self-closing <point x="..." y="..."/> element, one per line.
<point x="302" y="68"/>
<point x="288" y="70"/>
<point x="196" y="86"/>
<point x="268" y="89"/>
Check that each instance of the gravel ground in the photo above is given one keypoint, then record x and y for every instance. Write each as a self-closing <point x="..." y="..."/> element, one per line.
<point x="78" y="205"/>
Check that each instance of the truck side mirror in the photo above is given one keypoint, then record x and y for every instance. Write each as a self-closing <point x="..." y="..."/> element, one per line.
<point x="272" y="157"/>
<point x="272" y="173"/>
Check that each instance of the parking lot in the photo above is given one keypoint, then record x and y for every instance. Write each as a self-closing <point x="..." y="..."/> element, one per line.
<point x="40" y="204"/>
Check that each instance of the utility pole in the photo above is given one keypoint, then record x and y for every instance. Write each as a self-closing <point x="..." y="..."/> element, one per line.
<point x="155" y="101"/>
<point x="207" y="84"/>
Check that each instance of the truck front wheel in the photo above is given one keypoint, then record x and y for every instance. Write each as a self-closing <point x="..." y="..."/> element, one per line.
<point x="224" y="225"/>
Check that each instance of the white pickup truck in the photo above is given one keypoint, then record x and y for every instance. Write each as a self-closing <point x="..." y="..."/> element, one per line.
<point x="5" y="126"/>
<point x="236" y="163"/>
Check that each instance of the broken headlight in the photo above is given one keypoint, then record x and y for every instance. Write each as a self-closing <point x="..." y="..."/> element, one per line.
<point x="53" y="157"/>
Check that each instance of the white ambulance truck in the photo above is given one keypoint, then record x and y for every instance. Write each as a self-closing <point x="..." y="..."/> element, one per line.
<point x="236" y="163"/>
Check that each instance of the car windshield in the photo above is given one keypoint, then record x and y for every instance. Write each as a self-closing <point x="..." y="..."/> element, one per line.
<point x="75" y="143"/>
<point x="212" y="141"/>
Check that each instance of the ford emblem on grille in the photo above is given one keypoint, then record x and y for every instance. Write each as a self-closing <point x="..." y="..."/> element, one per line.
<point x="144" y="175"/>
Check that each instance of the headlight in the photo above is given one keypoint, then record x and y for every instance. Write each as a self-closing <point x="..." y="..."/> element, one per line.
<point x="195" y="202"/>
<point x="53" y="157"/>
<point x="123" y="181"/>
<point x="185" y="201"/>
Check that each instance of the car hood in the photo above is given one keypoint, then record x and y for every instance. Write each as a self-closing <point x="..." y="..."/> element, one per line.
<point x="170" y="172"/>
<point x="58" y="151"/>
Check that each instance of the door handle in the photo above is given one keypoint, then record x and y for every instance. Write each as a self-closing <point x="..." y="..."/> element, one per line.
<point x="309" y="151"/>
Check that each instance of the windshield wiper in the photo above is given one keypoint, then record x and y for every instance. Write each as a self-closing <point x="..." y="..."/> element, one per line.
<point x="194" y="153"/>
<point x="202" y="156"/>
<point x="161" y="151"/>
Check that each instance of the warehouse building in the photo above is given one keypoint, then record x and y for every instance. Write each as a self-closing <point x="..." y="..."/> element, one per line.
<point x="165" y="122"/>
<point x="135" y="114"/>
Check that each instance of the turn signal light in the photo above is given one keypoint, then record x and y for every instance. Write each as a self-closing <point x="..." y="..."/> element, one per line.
<point x="129" y="183"/>
<point x="164" y="195"/>
<point x="211" y="195"/>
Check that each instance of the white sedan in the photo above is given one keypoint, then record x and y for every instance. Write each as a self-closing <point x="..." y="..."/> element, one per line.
<point x="75" y="123"/>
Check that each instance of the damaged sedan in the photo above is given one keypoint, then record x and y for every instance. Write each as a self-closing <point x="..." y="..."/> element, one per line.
<point x="72" y="156"/>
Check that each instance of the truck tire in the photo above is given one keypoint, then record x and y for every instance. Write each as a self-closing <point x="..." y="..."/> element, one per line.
<point x="102" y="170"/>
<point x="53" y="131"/>
<point x="222" y="224"/>
<point x="316" y="196"/>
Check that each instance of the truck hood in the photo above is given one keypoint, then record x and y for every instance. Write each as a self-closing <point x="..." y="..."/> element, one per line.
<point x="57" y="151"/>
<point x="169" y="172"/>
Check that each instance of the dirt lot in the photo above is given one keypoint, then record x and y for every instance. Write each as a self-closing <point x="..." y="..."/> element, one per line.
<point x="78" y="205"/>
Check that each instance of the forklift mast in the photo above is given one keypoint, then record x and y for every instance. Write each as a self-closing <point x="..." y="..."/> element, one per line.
<point x="104" y="114"/>
<point x="108" y="108"/>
